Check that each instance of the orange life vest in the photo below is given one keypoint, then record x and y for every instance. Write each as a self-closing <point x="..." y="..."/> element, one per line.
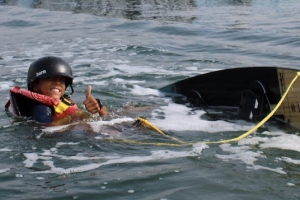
<point x="22" y="102"/>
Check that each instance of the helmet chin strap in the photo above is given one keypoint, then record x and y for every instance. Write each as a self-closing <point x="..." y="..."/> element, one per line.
<point x="68" y="95"/>
<point x="72" y="90"/>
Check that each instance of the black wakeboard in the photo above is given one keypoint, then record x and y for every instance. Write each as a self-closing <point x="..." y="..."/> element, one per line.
<point x="252" y="91"/>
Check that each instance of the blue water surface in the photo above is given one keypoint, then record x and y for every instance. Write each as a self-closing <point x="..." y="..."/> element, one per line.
<point x="127" y="50"/>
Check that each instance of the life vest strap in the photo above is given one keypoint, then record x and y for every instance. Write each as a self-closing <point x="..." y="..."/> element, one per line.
<point x="7" y="104"/>
<point x="22" y="101"/>
<point x="61" y="107"/>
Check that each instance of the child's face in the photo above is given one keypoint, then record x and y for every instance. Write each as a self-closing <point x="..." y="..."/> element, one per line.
<point x="53" y="87"/>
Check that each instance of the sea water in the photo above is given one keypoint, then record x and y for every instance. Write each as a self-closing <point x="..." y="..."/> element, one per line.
<point x="127" y="50"/>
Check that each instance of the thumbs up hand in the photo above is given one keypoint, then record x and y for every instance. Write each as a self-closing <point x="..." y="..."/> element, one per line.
<point x="91" y="103"/>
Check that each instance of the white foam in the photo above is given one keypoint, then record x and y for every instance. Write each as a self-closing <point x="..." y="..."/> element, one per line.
<point x="33" y="158"/>
<point x="192" y="68"/>
<point x="245" y="155"/>
<point x="181" y="118"/>
<point x="5" y="150"/>
<point x="6" y="85"/>
<point x="285" y="141"/>
<point x="120" y="80"/>
<point x="66" y="143"/>
<point x="137" y="90"/>
<point x="124" y="68"/>
<point x="268" y="139"/>
<point x="241" y="153"/>
<point x="130" y="69"/>
<point x="95" y="82"/>
<point x="275" y="139"/>
<point x="8" y="58"/>
<point x="4" y="170"/>
<point x="290" y="160"/>
<point x="277" y="170"/>
<point x="52" y="129"/>
<point x="97" y="125"/>
<point x="291" y="184"/>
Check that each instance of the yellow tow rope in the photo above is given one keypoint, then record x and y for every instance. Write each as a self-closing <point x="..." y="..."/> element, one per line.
<point x="146" y="123"/>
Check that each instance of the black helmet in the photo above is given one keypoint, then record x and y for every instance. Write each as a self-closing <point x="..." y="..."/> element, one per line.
<point x="47" y="67"/>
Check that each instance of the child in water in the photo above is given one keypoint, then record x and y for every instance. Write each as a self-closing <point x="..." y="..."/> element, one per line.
<point x="45" y="100"/>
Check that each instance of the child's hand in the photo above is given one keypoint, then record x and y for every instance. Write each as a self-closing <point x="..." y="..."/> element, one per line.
<point x="91" y="103"/>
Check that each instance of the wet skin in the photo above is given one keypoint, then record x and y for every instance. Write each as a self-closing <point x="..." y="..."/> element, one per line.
<point x="53" y="87"/>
